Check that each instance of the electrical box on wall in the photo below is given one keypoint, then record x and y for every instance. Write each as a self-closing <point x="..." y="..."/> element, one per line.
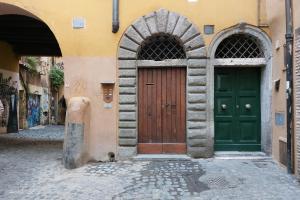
<point x="108" y="87"/>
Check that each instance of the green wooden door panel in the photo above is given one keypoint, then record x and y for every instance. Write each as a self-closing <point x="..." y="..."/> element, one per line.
<point x="237" y="109"/>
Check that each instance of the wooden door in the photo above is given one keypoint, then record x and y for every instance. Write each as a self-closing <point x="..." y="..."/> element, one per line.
<point x="162" y="108"/>
<point x="237" y="109"/>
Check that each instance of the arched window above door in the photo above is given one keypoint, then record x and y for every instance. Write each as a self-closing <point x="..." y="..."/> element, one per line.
<point x="161" y="47"/>
<point x="239" y="46"/>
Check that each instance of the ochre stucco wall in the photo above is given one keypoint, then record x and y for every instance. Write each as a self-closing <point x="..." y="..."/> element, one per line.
<point x="276" y="16"/>
<point x="90" y="53"/>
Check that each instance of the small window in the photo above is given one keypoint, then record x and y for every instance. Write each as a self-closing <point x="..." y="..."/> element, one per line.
<point x="239" y="46"/>
<point x="161" y="47"/>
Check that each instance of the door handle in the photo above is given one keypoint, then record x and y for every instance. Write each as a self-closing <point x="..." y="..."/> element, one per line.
<point x="224" y="106"/>
<point x="248" y="106"/>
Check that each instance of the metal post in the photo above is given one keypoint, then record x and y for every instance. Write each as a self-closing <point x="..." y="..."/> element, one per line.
<point x="116" y="22"/>
<point x="289" y="81"/>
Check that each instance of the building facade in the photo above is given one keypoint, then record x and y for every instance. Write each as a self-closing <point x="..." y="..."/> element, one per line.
<point x="190" y="77"/>
<point x="277" y="23"/>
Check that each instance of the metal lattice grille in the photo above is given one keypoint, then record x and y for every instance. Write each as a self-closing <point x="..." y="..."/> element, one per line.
<point x="239" y="46"/>
<point x="161" y="47"/>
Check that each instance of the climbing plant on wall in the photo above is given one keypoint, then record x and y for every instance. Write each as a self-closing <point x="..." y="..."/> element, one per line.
<point x="57" y="77"/>
<point x="31" y="63"/>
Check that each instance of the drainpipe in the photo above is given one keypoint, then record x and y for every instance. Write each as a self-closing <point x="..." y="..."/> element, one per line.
<point x="116" y="22"/>
<point x="289" y="80"/>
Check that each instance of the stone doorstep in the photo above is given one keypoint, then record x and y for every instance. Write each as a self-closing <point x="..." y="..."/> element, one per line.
<point x="240" y="155"/>
<point x="161" y="157"/>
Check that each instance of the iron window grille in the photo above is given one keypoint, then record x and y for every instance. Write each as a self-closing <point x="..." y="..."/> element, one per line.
<point x="161" y="47"/>
<point x="239" y="46"/>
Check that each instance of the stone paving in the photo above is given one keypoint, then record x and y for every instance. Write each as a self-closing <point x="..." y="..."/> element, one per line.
<point x="34" y="171"/>
<point x="38" y="133"/>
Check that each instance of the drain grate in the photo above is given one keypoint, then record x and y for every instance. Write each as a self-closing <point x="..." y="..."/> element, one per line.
<point x="219" y="182"/>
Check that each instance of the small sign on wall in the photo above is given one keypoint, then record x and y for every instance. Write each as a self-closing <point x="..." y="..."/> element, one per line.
<point x="78" y="23"/>
<point x="279" y="118"/>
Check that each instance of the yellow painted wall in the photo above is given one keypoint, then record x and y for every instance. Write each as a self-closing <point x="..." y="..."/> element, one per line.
<point x="98" y="40"/>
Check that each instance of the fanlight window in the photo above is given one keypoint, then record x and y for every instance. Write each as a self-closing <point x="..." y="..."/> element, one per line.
<point x="161" y="47"/>
<point x="239" y="46"/>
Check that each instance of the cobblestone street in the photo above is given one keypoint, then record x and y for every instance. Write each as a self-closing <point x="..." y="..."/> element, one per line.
<point x="34" y="171"/>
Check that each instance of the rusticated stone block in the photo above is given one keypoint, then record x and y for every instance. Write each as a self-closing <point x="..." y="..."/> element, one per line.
<point x="197" y="98"/>
<point x="127" y="73"/>
<point x="162" y="18"/>
<point x="197" y="63"/>
<point x="197" y="53"/>
<point x="151" y="22"/>
<point x="200" y="152"/>
<point x="125" y="153"/>
<point x="196" y="42"/>
<point x="172" y="20"/>
<point x="127" y="82"/>
<point x="196" y="125"/>
<point x="190" y="33"/>
<point x="197" y="89"/>
<point x="127" y="116"/>
<point x="182" y="26"/>
<point x="127" y="107"/>
<point x="134" y="35"/>
<point x="129" y="44"/>
<point x="197" y="107"/>
<point x="127" y="124"/>
<point x="197" y="134"/>
<point x="127" y="142"/>
<point x="127" y="99"/>
<point x="197" y="142"/>
<point x="126" y="54"/>
<point x="127" y="90"/>
<point x="127" y="133"/>
<point x="196" y="116"/>
<point x="141" y="26"/>
<point x="197" y="72"/>
<point x="127" y="64"/>
<point x="197" y="81"/>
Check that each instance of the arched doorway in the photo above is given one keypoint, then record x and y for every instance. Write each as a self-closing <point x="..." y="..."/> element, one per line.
<point x="27" y="35"/>
<point x="240" y="81"/>
<point x="164" y="47"/>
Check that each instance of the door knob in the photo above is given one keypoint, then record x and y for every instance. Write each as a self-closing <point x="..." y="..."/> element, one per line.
<point x="248" y="106"/>
<point x="224" y="106"/>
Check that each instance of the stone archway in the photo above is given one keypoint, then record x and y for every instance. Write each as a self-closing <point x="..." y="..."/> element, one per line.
<point x="199" y="144"/>
<point x="266" y="76"/>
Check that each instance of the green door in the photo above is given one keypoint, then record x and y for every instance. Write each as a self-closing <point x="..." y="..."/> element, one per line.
<point x="237" y="109"/>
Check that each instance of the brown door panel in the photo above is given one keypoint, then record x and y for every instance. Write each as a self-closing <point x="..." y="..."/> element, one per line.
<point x="162" y="107"/>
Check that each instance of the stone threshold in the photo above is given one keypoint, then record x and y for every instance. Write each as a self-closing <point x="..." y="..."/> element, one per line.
<point x="239" y="155"/>
<point x="161" y="157"/>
